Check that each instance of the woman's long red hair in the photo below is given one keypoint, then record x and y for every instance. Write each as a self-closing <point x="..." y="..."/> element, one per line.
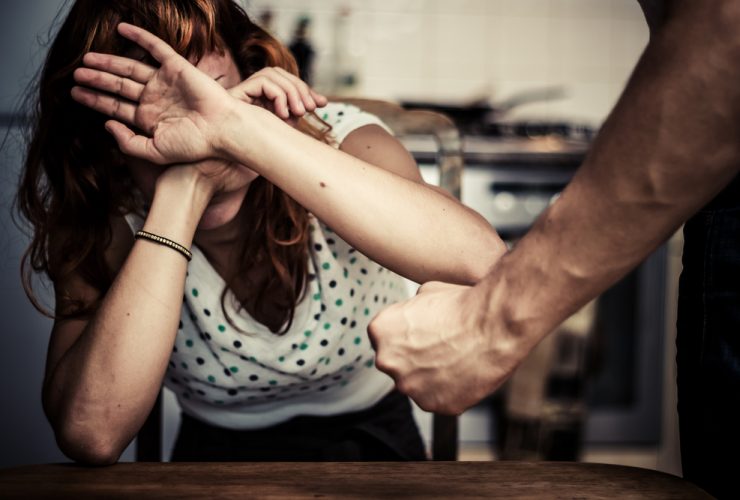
<point x="75" y="179"/>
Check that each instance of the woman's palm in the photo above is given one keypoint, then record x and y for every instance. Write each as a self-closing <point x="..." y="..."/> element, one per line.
<point x="178" y="110"/>
<point x="176" y="106"/>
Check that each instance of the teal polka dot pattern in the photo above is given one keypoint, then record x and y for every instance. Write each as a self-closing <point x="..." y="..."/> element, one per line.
<point x="324" y="356"/>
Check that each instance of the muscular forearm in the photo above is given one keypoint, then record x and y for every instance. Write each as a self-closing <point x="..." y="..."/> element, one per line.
<point x="401" y="224"/>
<point x="667" y="148"/>
<point x="102" y="388"/>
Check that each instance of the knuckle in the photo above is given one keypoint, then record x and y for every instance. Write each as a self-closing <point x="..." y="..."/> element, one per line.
<point x="377" y="328"/>
<point x="405" y="387"/>
<point x="382" y="364"/>
<point x="426" y="405"/>
<point x="373" y="328"/>
<point x="116" y="111"/>
<point x="125" y="147"/>
<point x="446" y="408"/>
<point x="128" y="68"/>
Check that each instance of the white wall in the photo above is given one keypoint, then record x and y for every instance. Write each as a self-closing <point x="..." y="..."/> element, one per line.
<point x="468" y="49"/>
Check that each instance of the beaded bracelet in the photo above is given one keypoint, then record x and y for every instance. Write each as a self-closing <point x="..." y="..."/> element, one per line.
<point x="166" y="242"/>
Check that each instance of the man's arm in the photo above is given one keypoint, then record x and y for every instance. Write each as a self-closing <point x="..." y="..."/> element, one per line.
<point x="668" y="147"/>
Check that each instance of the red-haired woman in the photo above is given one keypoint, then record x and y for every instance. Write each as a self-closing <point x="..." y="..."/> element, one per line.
<point x="190" y="243"/>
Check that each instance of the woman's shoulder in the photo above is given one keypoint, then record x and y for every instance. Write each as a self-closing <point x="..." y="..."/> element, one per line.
<point x="345" y="118"/>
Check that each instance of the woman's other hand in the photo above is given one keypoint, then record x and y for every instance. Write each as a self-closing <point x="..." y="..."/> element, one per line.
<point x="212" y="175"/>
<point x="280" y="92"/>
<point x="179" y="107"/>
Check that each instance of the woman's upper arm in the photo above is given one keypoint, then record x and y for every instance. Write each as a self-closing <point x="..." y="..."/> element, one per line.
<point x="74" y="289"/>
<point x="375" y="145"/>
<point x="371" y="143"/>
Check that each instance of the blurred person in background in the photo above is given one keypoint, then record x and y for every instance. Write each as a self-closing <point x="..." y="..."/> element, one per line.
<point x="302" y="49"/>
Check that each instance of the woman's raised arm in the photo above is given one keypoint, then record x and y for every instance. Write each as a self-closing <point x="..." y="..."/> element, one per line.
<point x="386" y="212"/>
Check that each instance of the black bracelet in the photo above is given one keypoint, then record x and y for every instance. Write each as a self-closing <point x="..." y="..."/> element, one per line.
<point x="164" y="241"/>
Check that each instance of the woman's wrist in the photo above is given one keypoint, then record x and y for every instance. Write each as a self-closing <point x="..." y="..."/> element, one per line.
<point x="238" y="132"/>
<point x="180" y="198"/>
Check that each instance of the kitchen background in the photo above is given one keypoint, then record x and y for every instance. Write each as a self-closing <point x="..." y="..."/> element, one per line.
<point x="562" y="61"/>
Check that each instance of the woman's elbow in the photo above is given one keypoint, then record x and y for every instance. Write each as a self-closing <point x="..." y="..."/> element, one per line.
<point x="88" y="447"/>
<point x="490" y="249"/>
<point x="84" y="441"/>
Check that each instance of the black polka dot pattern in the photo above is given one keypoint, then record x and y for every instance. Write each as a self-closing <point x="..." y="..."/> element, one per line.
<point x="214" y="363"/>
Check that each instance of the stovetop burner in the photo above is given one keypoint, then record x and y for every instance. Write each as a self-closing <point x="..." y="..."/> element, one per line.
<point x="538" y="128"/>
<point x="481" y="119"/>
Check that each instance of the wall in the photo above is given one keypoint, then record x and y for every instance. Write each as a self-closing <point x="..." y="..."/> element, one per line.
<point x="25" y="435"/>
<point x="476" y="49"/>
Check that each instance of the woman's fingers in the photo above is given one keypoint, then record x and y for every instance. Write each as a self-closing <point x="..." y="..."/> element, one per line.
<point x="114" y="84"/>
<point x="134" y="145"/>
<point x="291" y="91"/>
<point x="278" y="85"/>
<point x="106" y="104"/>
<point x="121" y="66"/>
<point x="280" y="102"/>
<point x="151" y="43"/>
<point x="319" y="99"/>
<point x="301" y="91"/>
<point x="310" y="97"/>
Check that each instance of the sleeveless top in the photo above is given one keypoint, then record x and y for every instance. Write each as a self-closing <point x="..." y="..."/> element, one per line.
<point x="323" y="365"/>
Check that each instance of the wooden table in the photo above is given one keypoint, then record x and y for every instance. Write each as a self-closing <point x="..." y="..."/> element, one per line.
<point x="533" y="480"/>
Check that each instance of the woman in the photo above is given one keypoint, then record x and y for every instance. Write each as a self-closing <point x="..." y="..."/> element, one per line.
<point x="262" y="335"/>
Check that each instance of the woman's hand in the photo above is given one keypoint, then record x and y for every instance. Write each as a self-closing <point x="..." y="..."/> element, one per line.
<point x="279" y="91"/>
<point x="212" y="176"/>
<point x="178" y="107"/>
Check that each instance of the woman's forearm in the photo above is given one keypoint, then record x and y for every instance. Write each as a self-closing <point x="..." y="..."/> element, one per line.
<point x="401" y="224"/>
<point x="101" y="390"/>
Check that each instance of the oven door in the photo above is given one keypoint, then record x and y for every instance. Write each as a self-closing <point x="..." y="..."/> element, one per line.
<point x="624" y="381"/>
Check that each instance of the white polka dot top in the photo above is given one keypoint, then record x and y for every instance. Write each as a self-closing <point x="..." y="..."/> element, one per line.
<point x="323" y="365"/>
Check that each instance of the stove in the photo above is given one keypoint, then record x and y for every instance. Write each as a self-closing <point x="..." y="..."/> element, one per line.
<point x="512" y="172"/>
<point x="510" y="178"/>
